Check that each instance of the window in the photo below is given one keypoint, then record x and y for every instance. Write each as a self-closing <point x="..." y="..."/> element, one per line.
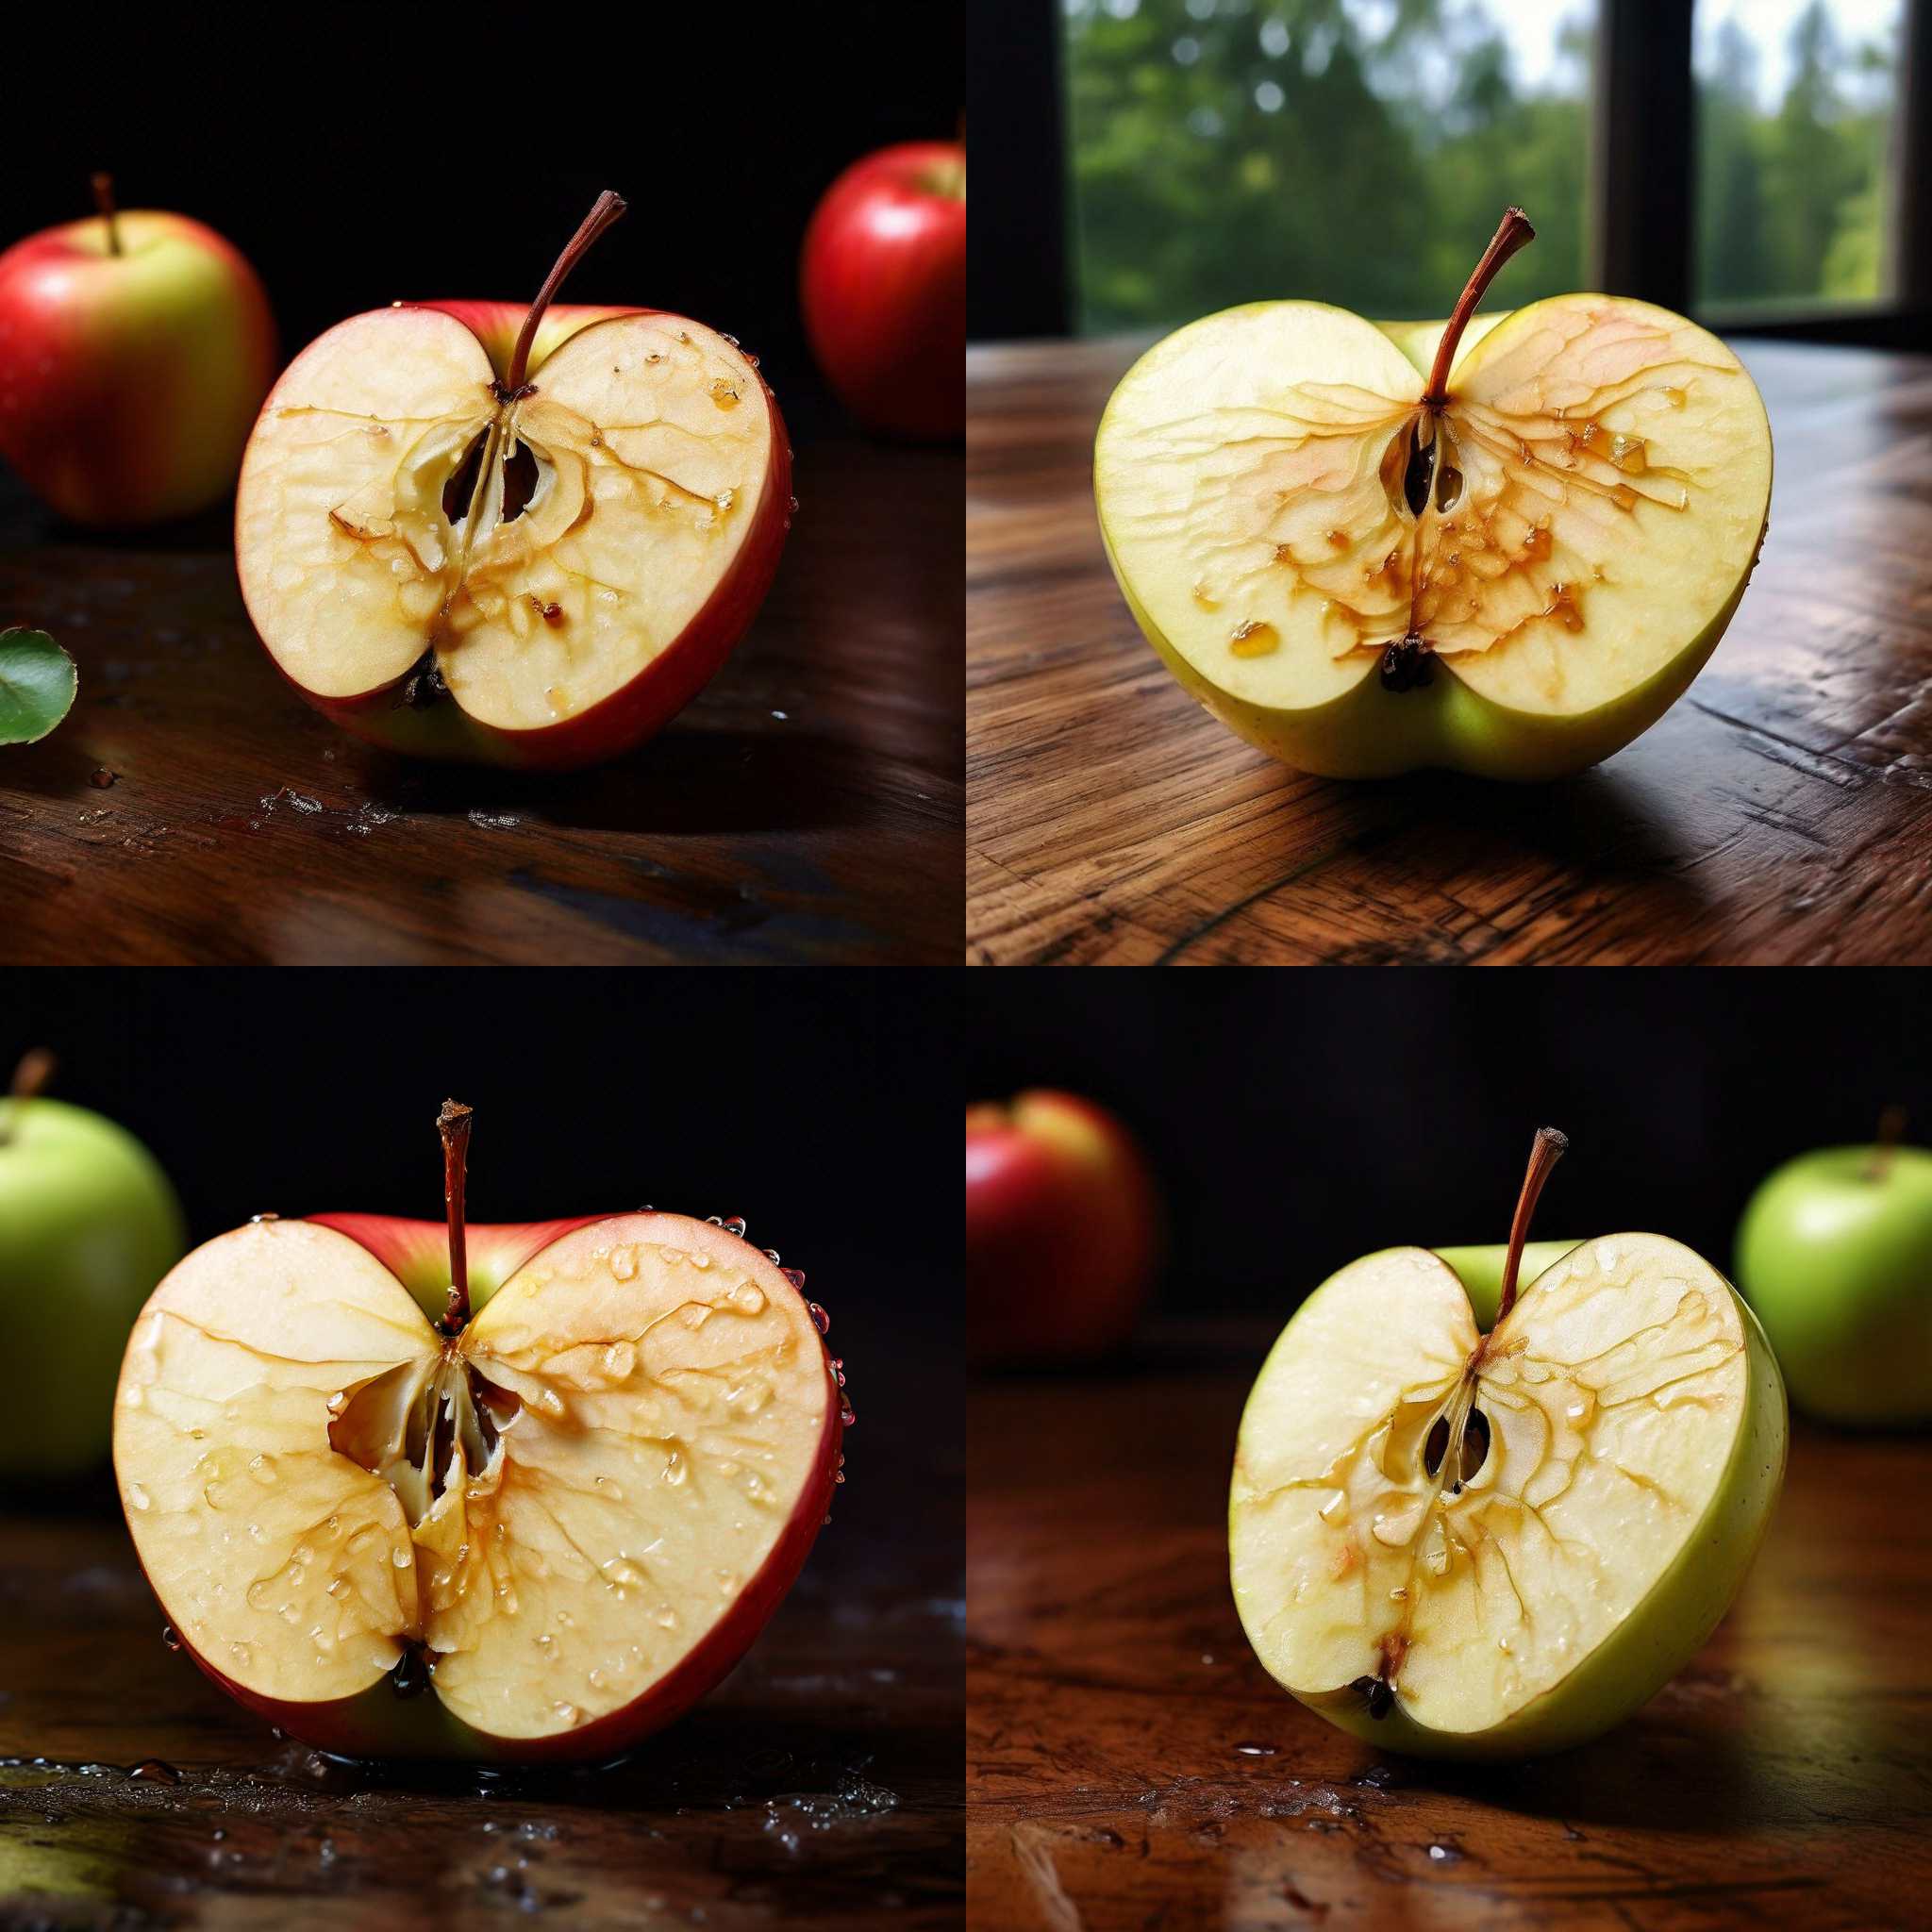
<point x="1358" y="151"/>
<point x="1796" y="107"/>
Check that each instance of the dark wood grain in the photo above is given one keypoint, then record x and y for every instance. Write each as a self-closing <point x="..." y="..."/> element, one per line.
<point x="1130" y="1764"/>
<point x="819" y="1788"/>
<point x="1781" y="813"/>
<point x="806" y="808"/>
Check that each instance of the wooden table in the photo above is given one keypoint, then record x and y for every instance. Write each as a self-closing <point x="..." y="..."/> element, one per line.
<point x="819" y="1787"/>
<point x="1130" y="1764"/>
<point x="1780" y="812"/>
<point x="806" y="808"/>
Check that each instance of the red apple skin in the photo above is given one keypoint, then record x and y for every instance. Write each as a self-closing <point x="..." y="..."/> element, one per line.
<point x="883" y="284"/>
<point x="633" y="712"/>
<point x="128" y="383"/>
<point x="1062" y="1230"/>
<point x="377" y="1724"/>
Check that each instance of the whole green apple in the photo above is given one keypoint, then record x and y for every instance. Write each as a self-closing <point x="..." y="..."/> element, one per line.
<point x="1501" y="545"/>
<point x="1835" y="1254"/>
<point x="1467" y="1537"/>
<point x="88" y="1225"/>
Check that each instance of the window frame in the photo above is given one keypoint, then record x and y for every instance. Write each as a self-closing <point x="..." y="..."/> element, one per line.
<point x="1643" y="179"/>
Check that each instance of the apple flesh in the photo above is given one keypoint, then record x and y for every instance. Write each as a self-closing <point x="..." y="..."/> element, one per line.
<point x="455" y="556"/>
<point x="88" y="1225"/>
<point x="541" y="1537"/>
<point x="1060" y="1229"/>
<point x="1459" y="1545"/>
<point x="882" y="284"/>
<point x="134" y="372"/>
<point x="1835" y="1254"/>
<point x="1363" y="566"/>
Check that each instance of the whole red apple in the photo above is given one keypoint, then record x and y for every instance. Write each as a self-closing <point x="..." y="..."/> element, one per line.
<point x="515" y="533"/>
<point x="1061" y="1229"/>
<point x="485" y="1493"/>
<point x="883" y="283"/>
<point x="135" y="349"/>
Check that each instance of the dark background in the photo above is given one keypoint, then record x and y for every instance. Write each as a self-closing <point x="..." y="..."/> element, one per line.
<point x="802" y="1103"/>
<point x="366" y="155"/>
<point x="1298" y="1120"/>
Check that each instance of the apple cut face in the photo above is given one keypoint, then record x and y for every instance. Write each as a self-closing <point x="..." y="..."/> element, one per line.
<point x="399" y="516"/>
<point x="1281" y="509"/>
<point x="1508" y="1559"/>
<point x="577" y="1511"/>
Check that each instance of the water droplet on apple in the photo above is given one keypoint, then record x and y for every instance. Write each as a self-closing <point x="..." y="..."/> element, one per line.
<point x="846" y="1415"/>
<point x="258" y="1220"/>
<point x="137" y="1495"/>
<point x="700" y="1259"/>
<point x="619" y="1360"/>
<point x="402" y="1559"/>
<point x="132" y="1398"/>
<point x="772" y="1253"/>
<point x="748" y="1298"/>
<point x="623" y="1263"/>
<point x="667" y="1618"/>
<point x="261" y="1468"/>
<point x="169" y="1638"/>
<point x="567" y="1712"/>
<point x="240" y="1653"/>
<point x="674" y="1470"/>
<point x="258" y="1594"/>
<point x="820" y="1321"/>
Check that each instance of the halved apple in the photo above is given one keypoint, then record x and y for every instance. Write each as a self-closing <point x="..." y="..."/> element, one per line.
<point x="1504" y="546"/>
<point x="531" y="546"/>
<point x="540" y="1533"/>
<point x="1491" y="1545"/>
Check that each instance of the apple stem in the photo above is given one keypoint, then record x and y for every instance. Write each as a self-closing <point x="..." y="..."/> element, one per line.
<point x="1511" y="234"/>
<point x="35" y="1070"/>
<point x="1544" y="1152"/>
<point x="1892" y="1128"/>
<point x="453" y="1124"/>
<point x="103" y="200"/>
<point x="608" y="208"/>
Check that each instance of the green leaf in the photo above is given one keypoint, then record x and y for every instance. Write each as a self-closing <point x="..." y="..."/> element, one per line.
<point x="37" y="685"/>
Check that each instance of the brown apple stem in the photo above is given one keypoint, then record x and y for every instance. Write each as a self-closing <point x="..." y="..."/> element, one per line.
<point x="453" y="1124"/>
<point x="1545" y="1151"/>
<point x="35" y="1070"/>
<point x="1892" y="1128"/>
<point x="608" y="207"/>
<point x="1511" y="233"/>
<point x="103" y="200"/>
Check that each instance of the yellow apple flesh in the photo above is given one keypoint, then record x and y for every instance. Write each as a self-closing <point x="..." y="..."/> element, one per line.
<point x="540" y="1537"/>
<point x="1596" y="483"/>
<point x="1459" y="1546"/>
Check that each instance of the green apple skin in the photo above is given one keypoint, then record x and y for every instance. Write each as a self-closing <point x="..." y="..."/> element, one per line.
<point x="1372" y="733"/>
<point x="88" y="1225"/>
<point x="1480" y="1271"/>
<point x="1839" y="1265"/>
<point x="1669" y="1627"/>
